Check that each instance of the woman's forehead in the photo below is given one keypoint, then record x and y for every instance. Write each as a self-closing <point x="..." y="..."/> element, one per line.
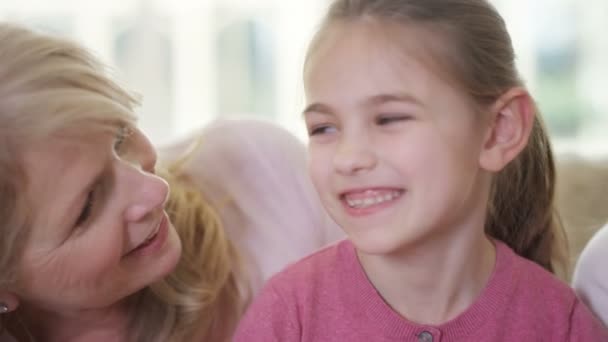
<point x="61" y="151"/>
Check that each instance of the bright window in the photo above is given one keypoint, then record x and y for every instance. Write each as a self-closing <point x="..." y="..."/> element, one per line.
<point x="195" y="60"/>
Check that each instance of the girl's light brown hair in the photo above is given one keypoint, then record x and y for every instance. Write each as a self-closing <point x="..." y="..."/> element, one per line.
<point x="50" y="85"/>
<point x="478" y="55"/>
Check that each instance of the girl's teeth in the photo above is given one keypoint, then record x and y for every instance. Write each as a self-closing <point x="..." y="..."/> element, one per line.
<point x="361" y="203"/>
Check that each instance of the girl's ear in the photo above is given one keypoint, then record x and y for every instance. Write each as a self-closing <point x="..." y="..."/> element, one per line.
<point x="512" y="119"/>
<point x="8" y="302"/>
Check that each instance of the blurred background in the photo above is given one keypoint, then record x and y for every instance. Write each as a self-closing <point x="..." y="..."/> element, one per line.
<point x="196" y="60"/>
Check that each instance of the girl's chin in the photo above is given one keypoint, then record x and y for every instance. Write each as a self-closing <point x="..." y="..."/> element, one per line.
<point x="376" y="244"/>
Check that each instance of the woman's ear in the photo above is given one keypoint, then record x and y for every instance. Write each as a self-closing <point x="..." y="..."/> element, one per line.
<point x="8" y="302"/>
<point x="508" y="131"/>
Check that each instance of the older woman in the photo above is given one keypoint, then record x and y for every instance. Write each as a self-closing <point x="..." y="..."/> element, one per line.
<point x="94" y="245"/>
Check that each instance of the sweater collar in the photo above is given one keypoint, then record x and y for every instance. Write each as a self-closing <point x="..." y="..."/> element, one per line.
<point x="389" y="323"/>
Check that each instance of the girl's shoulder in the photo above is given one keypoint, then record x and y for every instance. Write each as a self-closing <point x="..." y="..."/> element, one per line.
<point x="539" y="298"/>
<point x="321" y="270"/>
<point x="529" y="287"/>
<point x="537" y="284"/>
<point x="328" y="260"/>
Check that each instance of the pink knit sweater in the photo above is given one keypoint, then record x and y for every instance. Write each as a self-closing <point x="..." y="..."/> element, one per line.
<point x="327" y="297"/>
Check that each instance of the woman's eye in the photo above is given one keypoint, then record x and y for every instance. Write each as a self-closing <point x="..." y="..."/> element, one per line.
<point x="385" y="120"/>
<point x="321" y="129"/>
<point x="123" y="134"/>
<point x="86" y="210"/>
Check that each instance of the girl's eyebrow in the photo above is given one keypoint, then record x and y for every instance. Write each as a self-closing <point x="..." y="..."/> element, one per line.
<point x="317" y="108"/>
<point x="375" y="100"/>
<point x="393" y="97"/>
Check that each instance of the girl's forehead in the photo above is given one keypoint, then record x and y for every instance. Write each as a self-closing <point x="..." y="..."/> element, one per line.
<point x="378" y="40"/>
<point x="401" y="48"/>
<point x="409" y="37"/>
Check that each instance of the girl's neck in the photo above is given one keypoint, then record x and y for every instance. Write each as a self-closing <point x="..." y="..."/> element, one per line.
<point x="435" y="281"/>
<point x="108" y="324"/>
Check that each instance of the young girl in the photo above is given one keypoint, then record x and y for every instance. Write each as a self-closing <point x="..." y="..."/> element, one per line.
<point x="426" y="149"/>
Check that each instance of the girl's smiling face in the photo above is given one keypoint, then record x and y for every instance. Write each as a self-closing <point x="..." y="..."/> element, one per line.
<point x="394" y="149"/>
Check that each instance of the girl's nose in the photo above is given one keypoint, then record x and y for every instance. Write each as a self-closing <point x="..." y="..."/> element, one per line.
<point x="354" y="155"/>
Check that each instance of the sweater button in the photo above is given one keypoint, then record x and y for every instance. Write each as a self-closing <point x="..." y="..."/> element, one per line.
<point x="425" y="336"/>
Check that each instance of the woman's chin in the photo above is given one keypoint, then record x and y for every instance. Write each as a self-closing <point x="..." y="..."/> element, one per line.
<point x="171" y="255"/>
<point x="157" y="267"/>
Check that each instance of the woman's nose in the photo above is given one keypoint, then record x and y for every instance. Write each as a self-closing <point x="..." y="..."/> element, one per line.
<point x="140" y="152"/>
<point x="146" y="155"/>
<point x="148" y="195"/>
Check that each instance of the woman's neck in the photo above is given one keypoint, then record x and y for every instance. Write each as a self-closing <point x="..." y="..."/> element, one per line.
<point x="108" y="324"/>
<point x="435" y="281"/>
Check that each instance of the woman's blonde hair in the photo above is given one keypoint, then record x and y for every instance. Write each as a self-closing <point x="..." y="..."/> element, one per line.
<point x="477" y="52"/>
<point x="47" y="85"/>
